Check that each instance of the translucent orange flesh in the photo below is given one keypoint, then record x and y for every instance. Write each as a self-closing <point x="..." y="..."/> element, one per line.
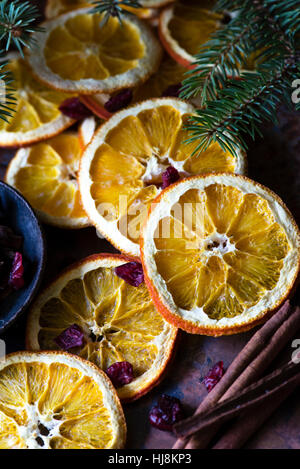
<point x="120" y="321"/>
<point x="86" y="48"/>
<point x="220" y="250"/>
<point x="57" y="396"/>
<point x="48" y="178"/>
<point x="36" y="105"/>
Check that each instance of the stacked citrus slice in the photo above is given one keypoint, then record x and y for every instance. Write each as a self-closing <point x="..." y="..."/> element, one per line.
<point x="165" y="82"/>
<point x="46" y="174"/>
<point x="119" y="321"/>
<point x="57" y="401"/>
<point x="220" y="253"/>
<point x="37" y="115"/>
<point x="78" y="53"/>
<point x="121" y="169"/>
<point x="185" y="26"/>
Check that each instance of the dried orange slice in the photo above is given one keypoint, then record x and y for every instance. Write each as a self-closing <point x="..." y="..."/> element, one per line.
<point x="121" y="169"/>
<point x="185" y="26"/>
<point x="119" y="321"/>
<point x="58" y="7"/>
<point x="169" y="75"/>
<point x="79" y="54"/>
<point x="46" y="174"/>
<point x="37" y="115"/>
<point x="220" y="253"/>
<point x="55" y="400"/>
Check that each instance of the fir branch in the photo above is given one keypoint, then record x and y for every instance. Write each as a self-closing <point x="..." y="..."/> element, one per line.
<point x="7" y="93"/>
<point x="113" y="8"/>
<point x="219" y="58"/>
<point x="17" y="23"/>
<point x="233" y="108"/>
<point x="242" y="106"/>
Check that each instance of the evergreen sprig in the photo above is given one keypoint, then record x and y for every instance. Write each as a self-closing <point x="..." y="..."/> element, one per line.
<point x="230" y="109"/>
<point x="7" y="93"/>
<point x="113" y="8"/>
<point x="17" y="23"/>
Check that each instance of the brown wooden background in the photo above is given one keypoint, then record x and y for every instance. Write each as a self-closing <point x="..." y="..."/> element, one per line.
<point x="273" y="161"/>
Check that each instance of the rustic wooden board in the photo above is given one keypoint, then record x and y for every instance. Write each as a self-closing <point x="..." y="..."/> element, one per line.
<point x="273" y="161"/>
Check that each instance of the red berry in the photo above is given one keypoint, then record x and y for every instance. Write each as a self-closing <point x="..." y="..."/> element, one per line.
<point x="120" y="373"/>
<point x="214" y="375"/>
<point x="70" y="338"/>
<point x="74" y="109"/>
<point x="16" y="279"/>
<point x="132" y="273"/>
<point x="119" y="101"/>
<point x="170" y="176"/>
<point x="166" y="413"/>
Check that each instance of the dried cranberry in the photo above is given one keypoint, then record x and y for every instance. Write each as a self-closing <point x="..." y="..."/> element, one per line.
<point x="16" y="279"/>
<point x="119" y="101"/>
<point x="74" y="109"/>
<point x="70" y="338"/>
<point x="173" y="91"/>
<point x="132" y="273"/>
<point x="170" y="176"/>
<point x="120" y="373"/>
<point x="166" y="413"/>
<point x="214" y="375"/>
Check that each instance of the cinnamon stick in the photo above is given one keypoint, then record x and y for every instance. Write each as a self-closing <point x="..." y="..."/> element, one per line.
<point x="255" y="345"/>
<point x="260" y="392"/>
<point x="255" y="369"/>
<point x="248" y="424"/>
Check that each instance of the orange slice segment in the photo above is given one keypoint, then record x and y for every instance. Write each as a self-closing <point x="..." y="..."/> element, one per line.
<point x="69" y="404"/>
<point x="79" y="53"/>
<point x="234" y="260"/>
<point x="46" y="174"/>
<point x="37" y="115"/>
<point x="184" y="28"/>
<point x="119" y="321"/>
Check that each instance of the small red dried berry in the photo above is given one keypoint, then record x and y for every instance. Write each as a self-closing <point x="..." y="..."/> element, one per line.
<point x="120" y="373"/>
<point x="75" y="109"/>
<point x="173" y="91"/>
<point x="132" y="273"/>
<point x="70" y="338"/>
<point x="166" y="413"/>
<point x="214" y="375"/>
<point x="119" y="101"/>
<point x="16" y="279"/>
<point x="170" y="176"/>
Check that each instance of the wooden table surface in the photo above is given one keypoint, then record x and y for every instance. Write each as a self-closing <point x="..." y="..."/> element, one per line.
<point x="273" y="161"/>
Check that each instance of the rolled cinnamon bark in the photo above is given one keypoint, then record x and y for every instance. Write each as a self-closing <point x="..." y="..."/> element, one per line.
<point x="255" y="369"/>
<point x="248" y="424"/>
<point x="253" y="348"/>
<point x="260" y="392"/>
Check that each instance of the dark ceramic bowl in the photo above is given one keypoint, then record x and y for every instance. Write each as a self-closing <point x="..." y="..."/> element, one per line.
<point x="21" y="218"/>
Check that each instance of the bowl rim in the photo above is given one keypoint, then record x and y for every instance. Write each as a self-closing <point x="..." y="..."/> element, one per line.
<point x="40" y="270"/>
